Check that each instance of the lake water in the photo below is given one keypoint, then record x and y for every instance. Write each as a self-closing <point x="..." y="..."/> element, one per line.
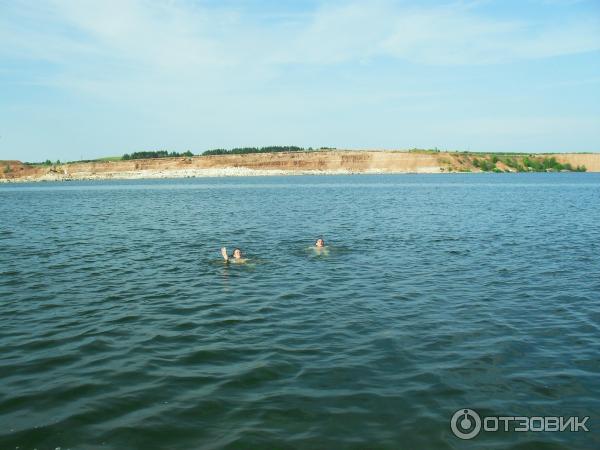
<point x="121" y="327"/>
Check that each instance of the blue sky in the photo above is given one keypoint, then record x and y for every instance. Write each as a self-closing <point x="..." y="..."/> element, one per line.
<point x="84" y="79"/>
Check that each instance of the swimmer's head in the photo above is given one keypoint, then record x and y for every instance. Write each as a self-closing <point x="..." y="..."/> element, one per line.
<point x="320" y="243"/>
<point x="237" y="253"/>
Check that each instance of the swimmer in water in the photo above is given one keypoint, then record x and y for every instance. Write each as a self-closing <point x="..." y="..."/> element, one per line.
<point x="235" y="257"/>
<point x="320" y="248"/>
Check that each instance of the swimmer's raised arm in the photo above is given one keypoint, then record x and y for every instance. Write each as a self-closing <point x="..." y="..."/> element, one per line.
<point x="236" y="255"/>
<point x="224" y="253"/>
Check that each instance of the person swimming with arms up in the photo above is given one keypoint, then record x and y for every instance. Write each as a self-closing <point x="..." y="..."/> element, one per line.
<point x="235" y="257"/>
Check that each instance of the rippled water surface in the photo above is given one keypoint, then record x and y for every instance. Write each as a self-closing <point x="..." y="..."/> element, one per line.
<point x="121" y="328"/>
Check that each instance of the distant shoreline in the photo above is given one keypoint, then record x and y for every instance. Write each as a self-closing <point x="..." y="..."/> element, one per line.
<point x="175" y="174"/>
<point x="329" y="162"/>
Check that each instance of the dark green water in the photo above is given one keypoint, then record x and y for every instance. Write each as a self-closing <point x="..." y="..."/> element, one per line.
<point x="120" y="328"/>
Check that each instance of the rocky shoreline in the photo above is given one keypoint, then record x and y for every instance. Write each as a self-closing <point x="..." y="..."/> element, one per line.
<point x="164" y="174"/>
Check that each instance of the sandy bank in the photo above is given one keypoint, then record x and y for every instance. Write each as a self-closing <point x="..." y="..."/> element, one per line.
<point x="261" y="164"/>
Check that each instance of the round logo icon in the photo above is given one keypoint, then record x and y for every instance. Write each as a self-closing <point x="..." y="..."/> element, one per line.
<point x="465" y="424"/>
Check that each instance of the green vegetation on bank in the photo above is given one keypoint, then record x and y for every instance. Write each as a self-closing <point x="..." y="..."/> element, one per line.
<point x="519" y="163"/>
<point x="155" y="154"/>
<point x="549" y="164"/>
<point x="221" y="151"/>
<point x="109" y="159"/>
<point x="246" y="150"/>
<point x="424" y="150"/>
<point x="187" y="154"/>
<point x="44" y="163"/>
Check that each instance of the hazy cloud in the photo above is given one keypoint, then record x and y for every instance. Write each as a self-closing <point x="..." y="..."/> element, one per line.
<point x="176" y="62"/>
<point x="181" y="36"/>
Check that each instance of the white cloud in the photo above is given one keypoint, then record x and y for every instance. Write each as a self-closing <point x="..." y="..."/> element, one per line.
<point x="174" y="64"/>
<point x="154" y="34"/>
<point x="447" y="34"/>
<point x="179" y="37"/>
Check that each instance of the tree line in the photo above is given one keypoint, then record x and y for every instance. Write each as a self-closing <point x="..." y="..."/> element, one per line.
<point x="244" y="150"/>
<point x="155" y="154"/>
<point x="216" y="151"/>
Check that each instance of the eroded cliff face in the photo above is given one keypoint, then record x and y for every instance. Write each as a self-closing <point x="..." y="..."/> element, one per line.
<point x="268" y="163"/>
<point x="590" y="160"/>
